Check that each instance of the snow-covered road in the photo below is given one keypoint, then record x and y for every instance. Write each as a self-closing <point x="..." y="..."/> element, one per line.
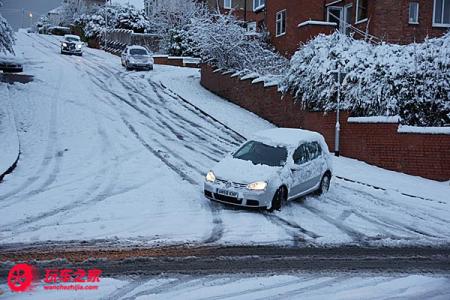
<point x="114" y="155"/>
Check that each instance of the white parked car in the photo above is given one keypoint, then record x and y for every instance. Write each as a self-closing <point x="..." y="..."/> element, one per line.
<point x="137" y="58"/>
<point x="276" y="165"/>
<point x="71" y="44"/>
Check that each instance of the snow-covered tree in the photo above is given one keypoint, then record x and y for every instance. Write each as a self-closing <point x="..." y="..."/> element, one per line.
<point x="131" y="18"/>
<point x="170" y="16"/>
<point x="7" y="39"/>
<point x="411" y="80"/>
<point x="71" y="10"/>
<point x="225" y="43"/>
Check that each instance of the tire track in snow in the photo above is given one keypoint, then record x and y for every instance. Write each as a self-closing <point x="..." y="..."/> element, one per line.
<point x="296" y="231"/>
<point x="49" y="157"/>
<point x="382" y="223"/>
<point x="217" y="231"/>
<point x="88" y="196"/>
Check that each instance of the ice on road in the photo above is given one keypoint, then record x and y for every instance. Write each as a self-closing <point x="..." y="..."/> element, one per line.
<point x="114" y="155"/>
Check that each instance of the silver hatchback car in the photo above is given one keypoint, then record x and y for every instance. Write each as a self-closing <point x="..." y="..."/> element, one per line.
<point x="137" y="58"/>
<point x="274" y="166"/>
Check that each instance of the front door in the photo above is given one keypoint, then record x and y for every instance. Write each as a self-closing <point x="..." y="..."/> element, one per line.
<point x="302" y="171"/>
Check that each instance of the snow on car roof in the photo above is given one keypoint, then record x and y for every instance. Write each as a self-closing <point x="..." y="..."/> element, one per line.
<point x="287" y="136"/>
<point x="136" y="47"/>
<point x="71" y="36"/>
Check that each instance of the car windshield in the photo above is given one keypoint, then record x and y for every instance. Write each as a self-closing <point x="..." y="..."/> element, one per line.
<point x="138" y="52"/>
<point x="72" y="39"/>
<point x="259" y="153"/>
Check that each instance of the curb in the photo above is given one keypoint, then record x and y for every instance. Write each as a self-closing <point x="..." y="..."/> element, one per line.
<point x="11" y="168"/>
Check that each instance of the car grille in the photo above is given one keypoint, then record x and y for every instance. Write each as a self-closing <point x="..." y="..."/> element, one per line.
<point x="233" y="184"/>
<point x="227" y="199"/>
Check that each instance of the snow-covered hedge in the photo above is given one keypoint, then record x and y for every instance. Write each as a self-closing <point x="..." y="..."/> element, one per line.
<point x="224" y="42"/>
<point x="118" y="17"/>
<point x="412" y="80"/>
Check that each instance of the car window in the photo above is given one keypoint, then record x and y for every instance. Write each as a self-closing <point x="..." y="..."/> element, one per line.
<point x="72" y="39"/>
<point x="138" y="52"/>
<point x="314" y="150"/>
<point x="301" y="155"/>
<point x="259" y="153"/>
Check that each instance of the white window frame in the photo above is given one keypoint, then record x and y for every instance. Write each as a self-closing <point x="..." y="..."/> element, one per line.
<point x="260" y="4"/>
<point x="276" y="22"/>
<point x="227" y="6"/>
<point x="417" y="13"/>
<point x="357" y="20"/>
<point x="442" y="16"/>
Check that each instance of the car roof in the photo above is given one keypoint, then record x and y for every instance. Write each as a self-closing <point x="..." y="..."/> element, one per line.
<point x="287" y="136"/>
<point x="71" y="35"/>
<point x="137" y="47"/>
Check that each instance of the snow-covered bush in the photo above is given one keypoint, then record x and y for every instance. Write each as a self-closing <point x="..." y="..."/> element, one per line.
<point x="180" y="43"/>
<point x="411" y="80"/>
<point x="131" y="18"/>
<point x="118" y="17"/>
<point x="224" y="42"/>
<point x="6" y="36"/>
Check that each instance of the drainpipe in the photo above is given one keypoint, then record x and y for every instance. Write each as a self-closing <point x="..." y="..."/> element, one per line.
<point x="245" y="14"/>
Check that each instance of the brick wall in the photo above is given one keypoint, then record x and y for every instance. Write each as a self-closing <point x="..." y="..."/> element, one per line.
<point x="423" y="155"/>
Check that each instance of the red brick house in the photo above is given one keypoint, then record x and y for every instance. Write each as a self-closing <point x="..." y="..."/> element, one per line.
<point x="397" y="21"/>
<point x="251" y="11"/>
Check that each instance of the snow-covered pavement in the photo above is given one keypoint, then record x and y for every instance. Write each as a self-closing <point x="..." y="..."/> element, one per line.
<point x="262" y="286"/>
<point x="117" y="155"/>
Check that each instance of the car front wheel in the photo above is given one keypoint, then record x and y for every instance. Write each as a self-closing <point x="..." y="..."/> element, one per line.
<point x="324" y="184"/>
<point x="279" y="198"/>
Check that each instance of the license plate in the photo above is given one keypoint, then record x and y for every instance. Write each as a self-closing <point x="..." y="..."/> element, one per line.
<point x="227" y="193"/>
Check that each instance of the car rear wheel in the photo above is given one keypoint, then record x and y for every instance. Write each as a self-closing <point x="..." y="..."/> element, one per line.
<point x="279" y="198"/>
<point x="324" y="184"/>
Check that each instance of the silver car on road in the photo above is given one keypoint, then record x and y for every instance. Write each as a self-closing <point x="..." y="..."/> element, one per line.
<point x="274" y="166"/>
<point x="137" y="58"/>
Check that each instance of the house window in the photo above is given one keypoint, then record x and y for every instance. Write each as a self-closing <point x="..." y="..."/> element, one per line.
<point x="441" y="13"/>
<point x="258" y="4"/>
<point x="281" y="23"/>
<point x="361" y="10"/>
<point x="227" y="4"/>
<point x="413" y="12"/>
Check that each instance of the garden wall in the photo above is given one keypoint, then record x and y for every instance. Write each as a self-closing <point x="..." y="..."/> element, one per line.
<point x="426" y="155"/>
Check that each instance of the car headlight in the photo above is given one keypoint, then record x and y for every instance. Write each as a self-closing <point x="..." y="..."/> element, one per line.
<point x="257" y="186"/>
<point x="79" y="46"/>
<point x="210" y="176"/>
<point x="64" y="45"/>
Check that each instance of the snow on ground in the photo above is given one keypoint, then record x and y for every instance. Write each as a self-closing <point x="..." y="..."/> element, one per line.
<point x="291" y="286"/>
<point x="111" y="154"/>
<point x="186" y="82"/>
<point x="9" y="142"/>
